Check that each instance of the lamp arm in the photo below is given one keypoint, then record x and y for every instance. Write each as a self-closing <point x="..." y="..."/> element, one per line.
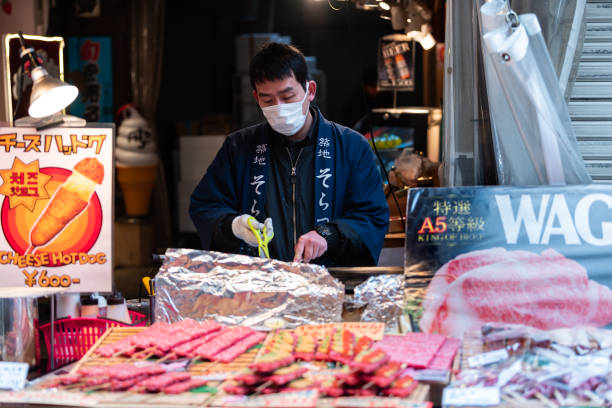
<point x="27" y="52"/>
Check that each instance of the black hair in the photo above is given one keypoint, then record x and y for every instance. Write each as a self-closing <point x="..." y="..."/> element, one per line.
<point x="278" y="61"/>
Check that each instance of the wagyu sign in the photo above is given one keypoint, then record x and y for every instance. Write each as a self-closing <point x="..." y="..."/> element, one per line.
<point x="555" y="218"/>
<point x="530" y="255"/>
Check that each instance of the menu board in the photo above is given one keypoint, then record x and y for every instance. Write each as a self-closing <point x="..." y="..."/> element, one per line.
<point x="56" y="207"/>
<point x="528" y="255"/>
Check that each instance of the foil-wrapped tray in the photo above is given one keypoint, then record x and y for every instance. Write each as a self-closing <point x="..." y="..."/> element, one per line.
<point x="383" y="296"/>
<point x="238" y="289"/>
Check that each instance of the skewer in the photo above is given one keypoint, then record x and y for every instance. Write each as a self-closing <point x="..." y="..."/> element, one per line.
<point x="96" y="387"/>
<point x="545" y="400"/>
<point x="594" y="397"/>
<point x="167" y="357"/>
<point x="211" y="367"/>
<point x="559" y="397"/>
<point x="518" y="397"/>
<point x="194" y="360"/>
<point x="262" y="387"/>
<point x="368" y="385"/>
<point x="139" y="355"/>
<point x="117" y="354"/>
<point x="145" y="357"/>
<point x="136" y="390"/>
<point x="72" y="386"/>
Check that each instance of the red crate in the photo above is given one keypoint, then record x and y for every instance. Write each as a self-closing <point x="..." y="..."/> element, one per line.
<point x="73" y="337"/>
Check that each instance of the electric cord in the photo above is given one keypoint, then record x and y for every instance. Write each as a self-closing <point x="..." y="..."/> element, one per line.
<point x="27" y="55"/>
<point x="20" y="75"/>
<point x="392" y="188"/>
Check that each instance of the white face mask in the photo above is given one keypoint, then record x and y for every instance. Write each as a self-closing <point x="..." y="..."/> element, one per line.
<point x="286" y="118"/>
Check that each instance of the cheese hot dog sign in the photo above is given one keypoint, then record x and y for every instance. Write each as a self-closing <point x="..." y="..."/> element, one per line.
<point x="56" y="208"/>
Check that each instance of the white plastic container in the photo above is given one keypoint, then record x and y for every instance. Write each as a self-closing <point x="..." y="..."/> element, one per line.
<point x="117" y="309"/>
<point x="68" y="305"/>
<point x="102" y="305"/>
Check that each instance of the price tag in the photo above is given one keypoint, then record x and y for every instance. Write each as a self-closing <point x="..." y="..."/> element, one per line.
<point x="490" y="357"/>
<point x="479" y="396"/>
<point x="430" y="375"/>
<point x="13" y="375"/>
<point x="592" y="362"/>
<point x="302" y="399"/>
<point x="378" y="402"/>
<point x="507" y="374"/>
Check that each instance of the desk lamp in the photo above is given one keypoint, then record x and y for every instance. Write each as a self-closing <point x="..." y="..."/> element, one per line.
<point x="49" y="95"/>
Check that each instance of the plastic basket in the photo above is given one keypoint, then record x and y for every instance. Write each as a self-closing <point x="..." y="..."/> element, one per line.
<point x="73" y="337"/>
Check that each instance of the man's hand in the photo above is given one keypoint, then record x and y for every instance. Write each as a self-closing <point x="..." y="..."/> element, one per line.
<point x="310" y="246"/>
<point x="241" y="229"/>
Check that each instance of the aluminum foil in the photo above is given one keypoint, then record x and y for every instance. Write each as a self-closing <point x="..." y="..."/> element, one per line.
<point x="238" y="289"/>
<point x="383" y="296"/>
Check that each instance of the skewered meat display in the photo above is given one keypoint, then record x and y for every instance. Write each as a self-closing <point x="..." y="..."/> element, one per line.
<point x="184" y="386"/>
<point x="366" y="373"/>
<point x="342" y="346"/>
<point x="187" y="338"/>
<point x="150" y="377"/>
<point x="362" y="369"/>
<point x="158" y="382"/>
<point x="323" y="347"/>
<point x="232" y="352"/>
<point x="305" y="348"/>
<point x="209" y="349"/>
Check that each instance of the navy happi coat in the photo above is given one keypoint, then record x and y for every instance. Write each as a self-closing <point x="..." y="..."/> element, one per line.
<point x="347" y="187"/>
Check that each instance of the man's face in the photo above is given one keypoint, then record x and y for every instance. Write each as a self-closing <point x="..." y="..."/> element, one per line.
<point x="287" y="90"/>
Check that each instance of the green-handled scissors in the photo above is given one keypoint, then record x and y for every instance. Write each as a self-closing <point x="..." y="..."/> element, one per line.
<point x="263" y="238"/>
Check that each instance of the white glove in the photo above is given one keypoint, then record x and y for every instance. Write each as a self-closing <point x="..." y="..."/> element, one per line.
<point x="241" y="229"/>
<point x="269" y="227"/>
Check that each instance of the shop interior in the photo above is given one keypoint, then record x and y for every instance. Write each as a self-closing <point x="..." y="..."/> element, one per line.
<point x="197" y="91"/>
<point x="490" y="124"/>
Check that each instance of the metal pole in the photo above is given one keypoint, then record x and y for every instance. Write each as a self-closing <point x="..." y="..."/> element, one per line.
<point x="52" y="356"/>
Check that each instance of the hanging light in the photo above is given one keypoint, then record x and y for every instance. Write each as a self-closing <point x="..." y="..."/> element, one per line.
<point x="384" y="5"/>
<point x="366" y="4"/>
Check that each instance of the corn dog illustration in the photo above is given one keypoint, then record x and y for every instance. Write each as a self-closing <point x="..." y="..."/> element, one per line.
<point x="70" y="199"/>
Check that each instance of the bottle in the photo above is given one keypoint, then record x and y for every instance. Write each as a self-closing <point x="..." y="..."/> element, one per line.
<point x="402" y="68"/>
<point x="102" y="305"/>
<point x="117" y="309"/>
<point x="89" y="307"/>
<point x="390" y="71"/>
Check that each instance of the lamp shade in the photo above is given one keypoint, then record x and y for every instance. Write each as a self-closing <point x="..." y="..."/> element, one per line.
<point x="49" y="95"/>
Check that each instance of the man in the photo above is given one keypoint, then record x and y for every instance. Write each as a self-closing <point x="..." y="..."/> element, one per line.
<point x="311" y="180"/>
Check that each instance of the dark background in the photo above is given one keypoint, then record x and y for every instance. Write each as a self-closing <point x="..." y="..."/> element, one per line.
<point x="198" y="73"/>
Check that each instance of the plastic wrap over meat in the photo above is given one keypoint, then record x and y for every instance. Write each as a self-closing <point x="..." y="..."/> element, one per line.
<point x="17" y="329"/>
<point x="384" y="296"/>
<point x="238" y="289"/>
